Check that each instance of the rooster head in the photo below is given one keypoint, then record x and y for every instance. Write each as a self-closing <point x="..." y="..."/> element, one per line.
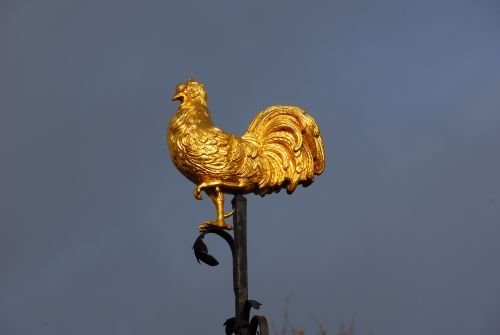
<point x="190" y="91"/>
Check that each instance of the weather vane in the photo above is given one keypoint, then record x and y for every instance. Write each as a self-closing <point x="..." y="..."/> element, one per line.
<point x="282" y="148"/>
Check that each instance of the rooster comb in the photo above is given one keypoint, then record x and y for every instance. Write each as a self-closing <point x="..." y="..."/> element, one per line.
<point x="195" y="88"/>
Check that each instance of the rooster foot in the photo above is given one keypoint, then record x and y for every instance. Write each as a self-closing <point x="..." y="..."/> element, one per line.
<point x="214" y="224"/>
<point x="197" y="192"/>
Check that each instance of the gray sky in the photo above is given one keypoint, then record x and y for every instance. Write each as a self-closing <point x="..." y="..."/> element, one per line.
<point x="402" y="229"/>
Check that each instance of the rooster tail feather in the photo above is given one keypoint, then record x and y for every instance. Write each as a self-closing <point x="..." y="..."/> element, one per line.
<point x="291" y="149"/>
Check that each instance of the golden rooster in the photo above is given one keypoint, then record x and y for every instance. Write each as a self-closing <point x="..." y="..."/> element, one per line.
<point x="282" y="148"/>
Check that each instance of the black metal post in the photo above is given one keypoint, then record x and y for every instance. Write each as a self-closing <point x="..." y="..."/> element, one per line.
<point x="240" y="269"/>
<point x="240" y="324"/>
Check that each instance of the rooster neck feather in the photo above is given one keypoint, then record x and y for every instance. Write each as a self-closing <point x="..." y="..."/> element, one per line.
<point x="193" y="115"/>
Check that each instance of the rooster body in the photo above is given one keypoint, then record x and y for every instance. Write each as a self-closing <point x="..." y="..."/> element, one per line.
<point x="282" y="148"/>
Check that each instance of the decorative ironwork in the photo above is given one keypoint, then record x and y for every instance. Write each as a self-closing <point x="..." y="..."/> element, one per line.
<point x="240" y="324"/>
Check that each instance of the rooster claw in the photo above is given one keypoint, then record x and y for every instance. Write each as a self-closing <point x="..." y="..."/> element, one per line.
<point x="214" y="224"/>
<point x="197" y="193"/>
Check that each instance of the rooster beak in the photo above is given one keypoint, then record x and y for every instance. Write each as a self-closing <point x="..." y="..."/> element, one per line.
<point x="179" y="96"/>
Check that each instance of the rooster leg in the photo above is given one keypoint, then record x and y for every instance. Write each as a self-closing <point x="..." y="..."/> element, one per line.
<point x="217" y="197"/>
<point x="241" y="185"/>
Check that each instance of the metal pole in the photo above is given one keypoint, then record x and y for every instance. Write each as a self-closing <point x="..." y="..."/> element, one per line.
<point x="240" y="270"/>
<point x="240" y="324"/>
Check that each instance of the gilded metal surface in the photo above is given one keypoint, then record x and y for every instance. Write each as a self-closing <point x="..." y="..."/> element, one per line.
<point x="282" y="148"/>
